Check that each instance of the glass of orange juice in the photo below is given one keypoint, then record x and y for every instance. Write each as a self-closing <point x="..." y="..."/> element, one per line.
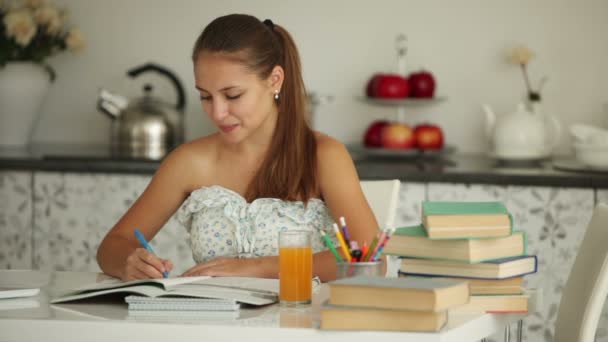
<point x="295" y="267"/>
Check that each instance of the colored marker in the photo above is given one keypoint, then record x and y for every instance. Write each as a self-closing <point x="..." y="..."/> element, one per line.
<point x="342" y="243"/>
<point x="367" y="255"/>
<point x="345" y="232"/>
<point x="388" y="237"/>
<point x="364" y="250"/>
<point x="380" y="241"/>
<point x="331" y="247"/>
<point x="144" y="244"/>
<point x="355" y="251"/>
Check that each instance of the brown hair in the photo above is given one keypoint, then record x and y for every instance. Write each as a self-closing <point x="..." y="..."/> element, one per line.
<point x="288" y="171"/>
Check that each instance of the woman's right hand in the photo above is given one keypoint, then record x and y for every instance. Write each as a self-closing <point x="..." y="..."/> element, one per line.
<point x="142" y="264"/>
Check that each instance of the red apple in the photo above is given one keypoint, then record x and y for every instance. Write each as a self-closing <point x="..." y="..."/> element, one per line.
<point x="389" y="86"/>
<point x="422" y="84"/>
<point x="372" y="84"/>
<point x="373" y="134"/>
<point x="428" y="136"/>
<point x="398" y="135"/>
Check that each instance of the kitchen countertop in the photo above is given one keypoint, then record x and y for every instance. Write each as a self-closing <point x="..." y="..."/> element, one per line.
<point x="452" y="168"/>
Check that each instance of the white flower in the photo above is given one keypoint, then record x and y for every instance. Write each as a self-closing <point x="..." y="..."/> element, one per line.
<point x="49" y="17"/>
<point x="20" y="25"/>
<point x="521" y="55"/>
<point x="33" y="4"/>
<point x="75" y="40"/>
<point x="64" y="15"/>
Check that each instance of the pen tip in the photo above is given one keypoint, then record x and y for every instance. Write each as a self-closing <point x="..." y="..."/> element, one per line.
<point x="335" y="226"/>
<point x="342" y="221"/>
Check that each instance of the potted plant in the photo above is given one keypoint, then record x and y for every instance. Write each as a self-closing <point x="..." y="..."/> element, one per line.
<point x="31" y="31"/>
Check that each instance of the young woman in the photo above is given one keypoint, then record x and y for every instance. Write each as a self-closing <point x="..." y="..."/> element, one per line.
<point x="264" y="171"/>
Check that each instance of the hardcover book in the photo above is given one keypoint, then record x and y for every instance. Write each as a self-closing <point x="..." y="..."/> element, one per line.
<point x="336" y="317"/>
<point x="416" y="294"/>
<point x="492" y="269"/>
<point x="489" y="286"/>
<point x="413" y="242"/>
<point x="461" y="220"/>
<point x="497" y="303"/>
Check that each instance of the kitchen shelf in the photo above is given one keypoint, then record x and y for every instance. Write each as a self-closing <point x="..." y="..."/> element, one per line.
<point x="400" y="153"/>
<point x="401" y="104"/>
<point x="406" y="102"/>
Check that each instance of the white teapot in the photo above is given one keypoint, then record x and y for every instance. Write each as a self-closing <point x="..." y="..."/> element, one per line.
<point x="523" y="134"/>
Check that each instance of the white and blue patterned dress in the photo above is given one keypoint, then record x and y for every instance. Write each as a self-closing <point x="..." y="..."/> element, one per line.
<point x="222" y="224"/>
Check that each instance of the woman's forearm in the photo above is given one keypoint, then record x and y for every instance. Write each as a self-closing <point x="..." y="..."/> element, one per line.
<point x="112" y="254"/>
<point x="323" y="266"/>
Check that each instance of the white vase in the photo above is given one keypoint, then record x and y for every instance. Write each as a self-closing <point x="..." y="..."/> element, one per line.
<point x="23" y="88"/>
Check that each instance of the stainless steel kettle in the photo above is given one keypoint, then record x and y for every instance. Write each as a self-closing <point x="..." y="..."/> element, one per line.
<point x="145" y="127"/>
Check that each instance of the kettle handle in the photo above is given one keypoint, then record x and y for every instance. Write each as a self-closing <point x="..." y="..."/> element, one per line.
<point x="181" y="97"/>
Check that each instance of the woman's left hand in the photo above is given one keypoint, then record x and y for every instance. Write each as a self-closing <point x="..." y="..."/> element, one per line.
<point x="226" y="267"/>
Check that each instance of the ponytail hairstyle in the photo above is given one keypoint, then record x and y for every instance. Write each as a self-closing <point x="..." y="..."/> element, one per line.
<point x="288" y="171"/>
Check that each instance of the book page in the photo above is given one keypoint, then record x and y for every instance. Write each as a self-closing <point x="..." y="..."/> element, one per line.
<point x="185" y="290"/>
<point x="104" y="283"/>
<point x="260" y="285"/>
<point x="17" y="292"/>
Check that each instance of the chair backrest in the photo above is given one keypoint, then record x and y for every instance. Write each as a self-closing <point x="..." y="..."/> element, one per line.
<point x="587" y="286"/>
<point x="383" y="198"/>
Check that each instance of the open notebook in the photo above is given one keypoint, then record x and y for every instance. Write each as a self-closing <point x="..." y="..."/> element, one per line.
<point x="254" y="291"/>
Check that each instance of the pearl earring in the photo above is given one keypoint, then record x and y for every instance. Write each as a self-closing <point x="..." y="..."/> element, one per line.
<point x="276" y="94"/>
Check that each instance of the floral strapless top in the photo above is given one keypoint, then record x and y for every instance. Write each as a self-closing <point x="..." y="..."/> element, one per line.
<point x="222" y="223"/>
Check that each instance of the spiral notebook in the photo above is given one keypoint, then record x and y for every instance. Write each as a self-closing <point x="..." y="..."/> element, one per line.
<point x="142" y="303"/>
<point x="182" y="316"/>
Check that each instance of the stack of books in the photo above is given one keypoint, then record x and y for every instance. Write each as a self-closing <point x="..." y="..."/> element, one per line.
<point x="471" y="241"/>
<point x="397" y="304"/>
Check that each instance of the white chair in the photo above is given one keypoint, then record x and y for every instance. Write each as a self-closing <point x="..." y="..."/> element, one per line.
<point x="383" y="198"/>
<point x="587" y="286"/>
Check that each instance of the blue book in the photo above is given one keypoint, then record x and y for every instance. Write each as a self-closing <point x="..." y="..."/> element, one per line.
<point x="494" y="269"/>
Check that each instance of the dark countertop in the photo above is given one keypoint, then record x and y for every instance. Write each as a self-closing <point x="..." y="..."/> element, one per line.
<point x="453" y="168"/>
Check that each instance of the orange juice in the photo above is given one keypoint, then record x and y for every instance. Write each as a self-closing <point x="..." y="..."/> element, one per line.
<point x="295" y="272"/>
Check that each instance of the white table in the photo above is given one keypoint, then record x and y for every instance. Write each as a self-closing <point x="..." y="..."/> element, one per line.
<point x="108" y="320"/>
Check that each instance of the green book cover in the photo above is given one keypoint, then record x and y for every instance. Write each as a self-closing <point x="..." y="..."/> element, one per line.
<point x="417" y="230"/>
<point x="463" y="208"/>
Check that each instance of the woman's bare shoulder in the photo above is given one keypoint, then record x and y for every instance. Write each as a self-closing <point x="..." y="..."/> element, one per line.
<point x="192" y="161"/>
<point x="329" y="148"/>
<point x="194" y="151"/>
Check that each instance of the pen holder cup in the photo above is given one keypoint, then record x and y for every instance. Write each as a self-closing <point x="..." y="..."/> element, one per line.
<point x="351" y="269"/>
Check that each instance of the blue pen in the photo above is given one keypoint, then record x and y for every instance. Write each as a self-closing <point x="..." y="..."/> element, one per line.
<point x="144" y="243"/>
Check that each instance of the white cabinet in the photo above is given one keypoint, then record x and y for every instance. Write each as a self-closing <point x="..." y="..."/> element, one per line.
<point x="74" y="211"/>
<point x="16" y="219"/>
<point x="411" y="196"/>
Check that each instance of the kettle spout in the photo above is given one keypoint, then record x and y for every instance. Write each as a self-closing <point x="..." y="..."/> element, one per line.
<point x="490" y="120"/>
<point x="111" y="104"/>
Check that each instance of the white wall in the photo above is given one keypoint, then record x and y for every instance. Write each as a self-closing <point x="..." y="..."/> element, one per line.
<point x="342" y="43"/>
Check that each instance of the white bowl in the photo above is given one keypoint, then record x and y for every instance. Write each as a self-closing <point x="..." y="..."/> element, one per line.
<point x="594" y="156"/>
<point x="589" y="135"/>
